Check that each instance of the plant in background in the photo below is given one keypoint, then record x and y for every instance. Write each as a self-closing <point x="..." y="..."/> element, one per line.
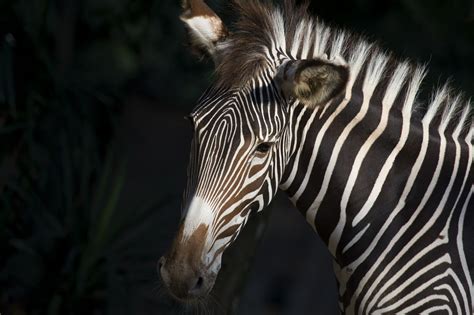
<point x="58" y="193"/>
<point x="62" y="234"/>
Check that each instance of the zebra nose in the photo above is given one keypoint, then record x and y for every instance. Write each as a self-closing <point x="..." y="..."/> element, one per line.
<point x="162" y="273"/>
<point x="188" y="288"/>
<point x="183" y="284"/>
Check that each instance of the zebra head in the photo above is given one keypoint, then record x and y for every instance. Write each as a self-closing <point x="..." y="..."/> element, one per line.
<point x="242" y="140"/>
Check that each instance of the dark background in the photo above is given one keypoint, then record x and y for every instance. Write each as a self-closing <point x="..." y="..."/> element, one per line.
<point x="93" y="154"/>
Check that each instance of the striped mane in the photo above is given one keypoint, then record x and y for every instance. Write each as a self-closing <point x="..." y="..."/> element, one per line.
<point x="290" y="32"/>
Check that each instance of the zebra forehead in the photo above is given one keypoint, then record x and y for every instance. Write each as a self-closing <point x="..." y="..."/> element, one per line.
<point x="250" y="113"/>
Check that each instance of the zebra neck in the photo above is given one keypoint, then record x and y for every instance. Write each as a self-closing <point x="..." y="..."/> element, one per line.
<point x="369" y="183"/>
<point x="338" y="156"/>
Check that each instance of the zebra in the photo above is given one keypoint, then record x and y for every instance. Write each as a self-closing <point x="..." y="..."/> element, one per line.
<point x="384" y="178"/>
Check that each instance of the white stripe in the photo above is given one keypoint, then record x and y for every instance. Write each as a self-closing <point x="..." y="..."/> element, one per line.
<point x="401" y="204"/>
<point x="356" y="64"/>
<point x="387" y="166"/>
<point x="394" y="87"/>
<point x="422" y="302"/>
<point x="297" y="39"/>
<point x="399" y="274"/>
<point x="338" y="44"/>
<point x="307" y="39"/>
<point x="321" y="38"/>
<point x="436" y="309"/>
<point x="374" y="72"/>
<point x="453" y="295"/>
<point x="285" y="185"/>
<point x="425" y="228"/>
<point x="445" y="259"/>
<point x="355" y="239"/>
<point x="459" y="242"/>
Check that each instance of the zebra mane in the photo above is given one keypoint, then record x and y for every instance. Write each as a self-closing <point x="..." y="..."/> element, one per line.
<point x="264" y="29"/>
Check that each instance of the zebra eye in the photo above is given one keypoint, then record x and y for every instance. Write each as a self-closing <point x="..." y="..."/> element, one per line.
<point x="263" y="147"/>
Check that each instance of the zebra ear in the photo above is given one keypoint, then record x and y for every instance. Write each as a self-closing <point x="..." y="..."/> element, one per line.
<point x="205" y="28"/>
<point x="313" y="82"/>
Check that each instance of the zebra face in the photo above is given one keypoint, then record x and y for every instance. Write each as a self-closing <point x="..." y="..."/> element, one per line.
<point x="237" y="154"/>
<point x="241" y="146"/>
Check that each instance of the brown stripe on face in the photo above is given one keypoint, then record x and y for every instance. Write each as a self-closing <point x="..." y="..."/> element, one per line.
<point x="228" y="232"/>
<point x="253" y="186"/>
<point x="188" y="252"/>
<point x="223" y="220"/>
<point x="224" y="188"/>
<point x="217" y="184"/>
<point x="218" y="253"/>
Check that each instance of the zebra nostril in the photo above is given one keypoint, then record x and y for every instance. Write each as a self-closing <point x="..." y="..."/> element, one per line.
<point x="199" y="283"/>
<point x="197" y="286"/>
<point x="161" y="262"/>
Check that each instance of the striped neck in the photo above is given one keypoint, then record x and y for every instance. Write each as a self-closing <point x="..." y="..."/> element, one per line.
<point x="369" y="176"/>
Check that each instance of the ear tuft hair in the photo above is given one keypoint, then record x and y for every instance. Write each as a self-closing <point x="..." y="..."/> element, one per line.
<point x="314" y="82"/>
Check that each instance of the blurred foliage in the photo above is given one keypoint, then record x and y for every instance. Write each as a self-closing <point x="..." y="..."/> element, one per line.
<point x="63" y="69"/>
<point x="66" y="66"/>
